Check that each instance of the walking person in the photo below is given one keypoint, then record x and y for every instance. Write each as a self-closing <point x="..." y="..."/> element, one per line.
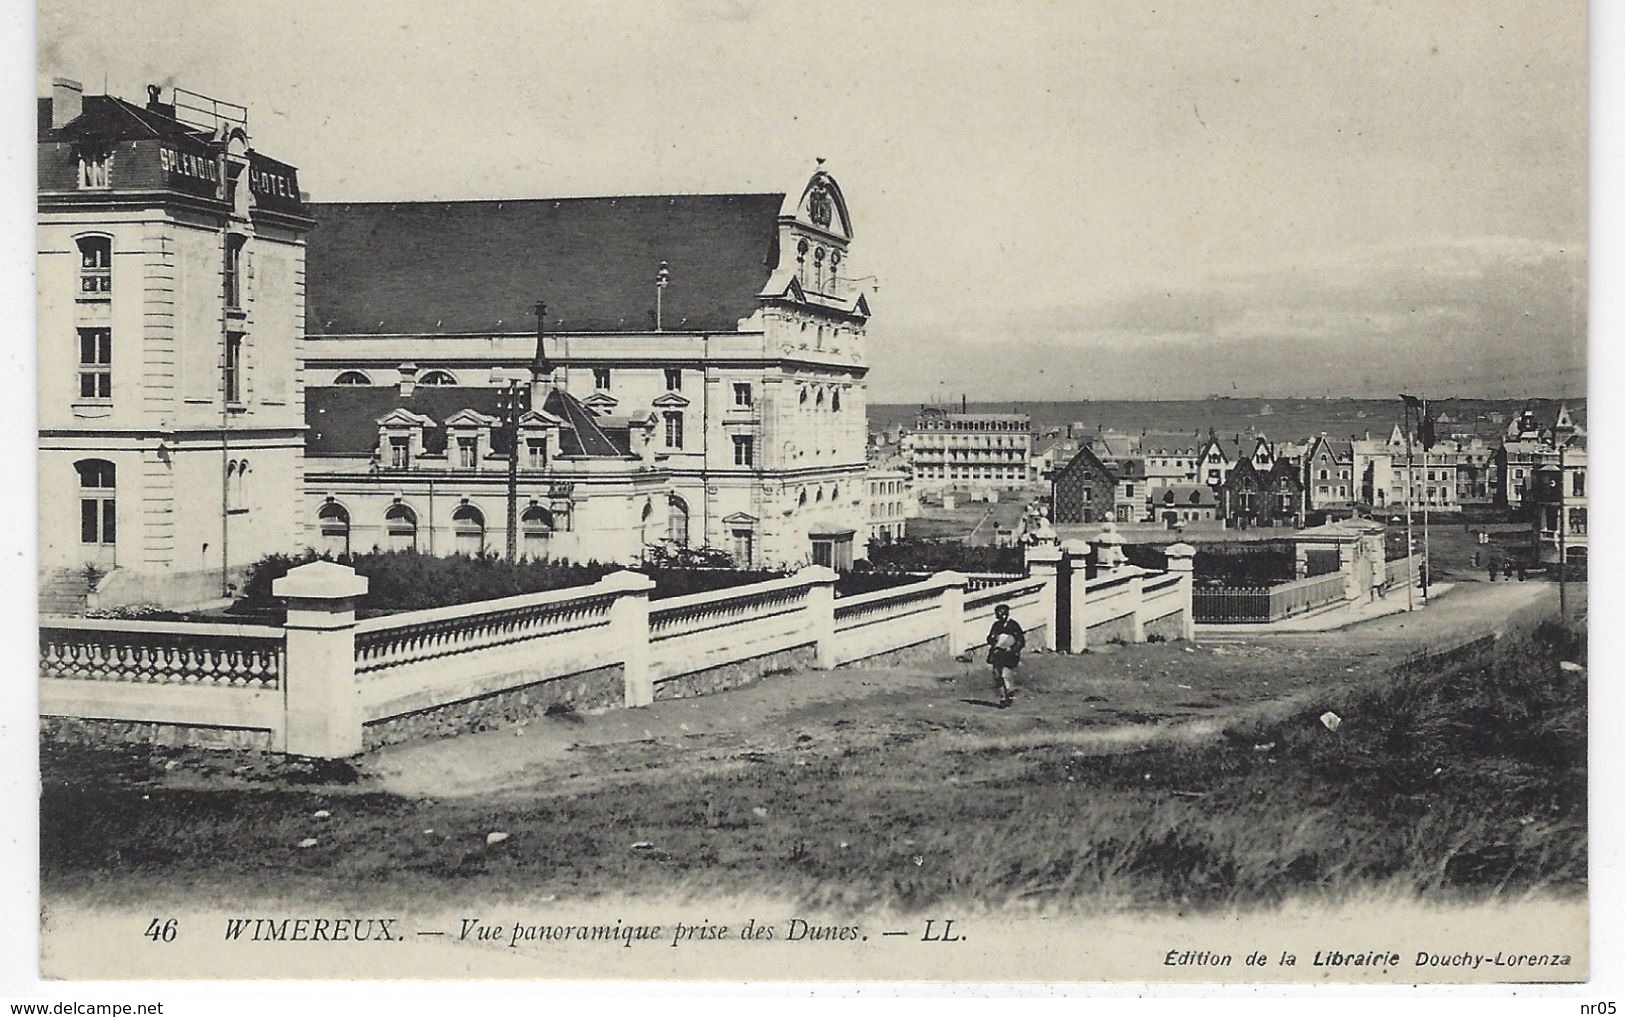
<point x="1005" y="641"/>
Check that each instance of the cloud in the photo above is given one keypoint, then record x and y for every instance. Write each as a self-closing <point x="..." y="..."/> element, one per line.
<point x="1473" y="316"/>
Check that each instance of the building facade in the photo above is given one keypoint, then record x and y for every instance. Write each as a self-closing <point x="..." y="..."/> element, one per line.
<point x="1561" y="505"/>
<point x="1083" y="491"/>
<point x="171" y="300"/>
<point x="963" y="451"/>
<point x="732" y="324"/>
<point x="891" y="503"/>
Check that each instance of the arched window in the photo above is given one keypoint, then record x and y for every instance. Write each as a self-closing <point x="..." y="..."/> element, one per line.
<point x="819" y="499"/>
<point x="677" y="521"/>
<point x="644" y="522"/>
<point x="835" y="402"/>
<point x="468" y="524"/>
<point x="95" y="266"/>
<point x="536" y="525"/>
<point x="352" y="378"/>
<point x="333" y="520"/>
<point x="98" y="515"/>
<point x="801" y="500"/>
<point x="437" y="378"/>
<point x="401" y="523"/>
<point x="835" y="493"/>
<point x="237" y="487"/>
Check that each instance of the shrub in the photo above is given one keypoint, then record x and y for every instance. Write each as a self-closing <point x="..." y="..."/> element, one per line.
<point x="914" y="555"/>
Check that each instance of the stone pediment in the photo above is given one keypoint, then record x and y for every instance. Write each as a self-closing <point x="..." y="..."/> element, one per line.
<point x="470" y="418"/>
<point x="539" y="418"/>
<point x="402" y="417"/>
<point x="670" y="400"/>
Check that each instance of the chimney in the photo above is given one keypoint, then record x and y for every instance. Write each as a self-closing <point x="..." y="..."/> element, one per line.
<point x="964" y="403"/>
<point x="155" y="104"/>
<point x="67" y="101"/>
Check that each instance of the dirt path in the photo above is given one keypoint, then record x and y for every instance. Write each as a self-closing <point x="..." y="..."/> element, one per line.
<point x="811" y="716"/>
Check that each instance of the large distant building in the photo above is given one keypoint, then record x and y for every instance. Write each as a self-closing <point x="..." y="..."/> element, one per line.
<point x="964" y="451"/>
<point x="726" y="328"/>
<point x="171" y="280"/>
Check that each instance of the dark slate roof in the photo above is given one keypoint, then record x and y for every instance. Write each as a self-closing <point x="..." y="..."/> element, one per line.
<point x="479" y="266"/>
<point x="109" y="118"/>
<point x="343" y="419"/>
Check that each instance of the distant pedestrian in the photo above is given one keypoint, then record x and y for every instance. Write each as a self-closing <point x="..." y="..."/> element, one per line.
<point x="1492" y="571"/>
<point x="1523" y="572"/>
<point x="1506" y="570"/>
<point x="1005" y="641"/>
<point x="1475" y="559"/>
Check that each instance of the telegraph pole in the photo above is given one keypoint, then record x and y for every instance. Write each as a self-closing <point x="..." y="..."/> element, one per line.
<point x="1410" y="496"/>
<point x="1562" y="533"/>
<point x="1427" y="573"/>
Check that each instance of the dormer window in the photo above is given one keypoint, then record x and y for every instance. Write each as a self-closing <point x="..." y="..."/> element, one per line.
<point x="94" y="166"/>
<point x="95" y="266"/>
<point x="674" y="379"/>
<point x="467" y="453"/>
<point x="600" y="378"/>
<point x="400" y="452"/>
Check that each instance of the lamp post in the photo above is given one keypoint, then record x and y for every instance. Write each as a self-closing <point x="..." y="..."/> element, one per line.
<point x="509" y="401"/>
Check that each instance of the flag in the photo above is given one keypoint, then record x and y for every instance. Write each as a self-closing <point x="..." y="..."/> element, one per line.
<point x="1411" y="402"/>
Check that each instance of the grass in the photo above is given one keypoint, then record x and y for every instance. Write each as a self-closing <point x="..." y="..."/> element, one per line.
<point x="1464" y="783"/>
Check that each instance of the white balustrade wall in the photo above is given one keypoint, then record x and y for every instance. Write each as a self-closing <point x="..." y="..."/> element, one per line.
<point x="325" y="684"/>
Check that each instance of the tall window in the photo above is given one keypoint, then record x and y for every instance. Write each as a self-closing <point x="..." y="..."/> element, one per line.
<point x="1577" y="520"/>
<point x="677" y="521"/>
<point x="98" y="517"/>
<point x="401" y="523"/>
<point x="600" y="378"/>
<point x="674" y="379"/>
<point x="234" y="365"/>
<point x="334" y="522"/>
<point x="400" y="450"/>
<point x="1579" y="483"/>
<point x="95" y="266"/>
<point x="466" y="449"/>
<point x="744" y="451"/>
<point x="537" y="527"/>
<point x="536" y="453"/>
<point x="469" y="526"/>
<point x="742" y="394"/>
<point x="96" y="363"/>
<point x="234" y="270"/>
<point x="674" y="430"/>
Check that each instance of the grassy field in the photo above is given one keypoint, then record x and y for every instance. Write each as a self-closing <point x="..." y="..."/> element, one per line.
<point x="1157" y="776"/>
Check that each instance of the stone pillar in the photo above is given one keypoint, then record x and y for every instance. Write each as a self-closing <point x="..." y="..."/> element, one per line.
<point x="322" y="713"/>
<point x="1182" y="561"/>
<point x="1136" y="585"/>
<point x="1109" y="549"/>
<point x="820" y="580"/>
<point x="953" y="610"/>
<point x="1076" y="575"/>
<point x="629" y="632"/>
<point x="1044" y="562"/>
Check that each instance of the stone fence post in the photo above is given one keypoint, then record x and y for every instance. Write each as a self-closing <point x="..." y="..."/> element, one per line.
<point x="322" y="706"/>
<point x="1182" y="561"/>
<point x="1075" y="574"/>
<point x="953" y="609"/>
<point x="821" y="580"/>
<point x="1044" y="562"/>
<point x="629" y="632"/>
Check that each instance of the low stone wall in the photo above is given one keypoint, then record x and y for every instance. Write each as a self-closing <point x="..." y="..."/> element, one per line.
<point x="598" y="689"/>
<point x="95" y="731"/>
<point x="919" y="653"/>
<point x="1169" y="627"/>
<point x="1117" y="628"/>
<point x="735" y="674"/>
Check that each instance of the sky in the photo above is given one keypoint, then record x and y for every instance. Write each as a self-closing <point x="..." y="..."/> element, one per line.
<point x="1056" y="200"/>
